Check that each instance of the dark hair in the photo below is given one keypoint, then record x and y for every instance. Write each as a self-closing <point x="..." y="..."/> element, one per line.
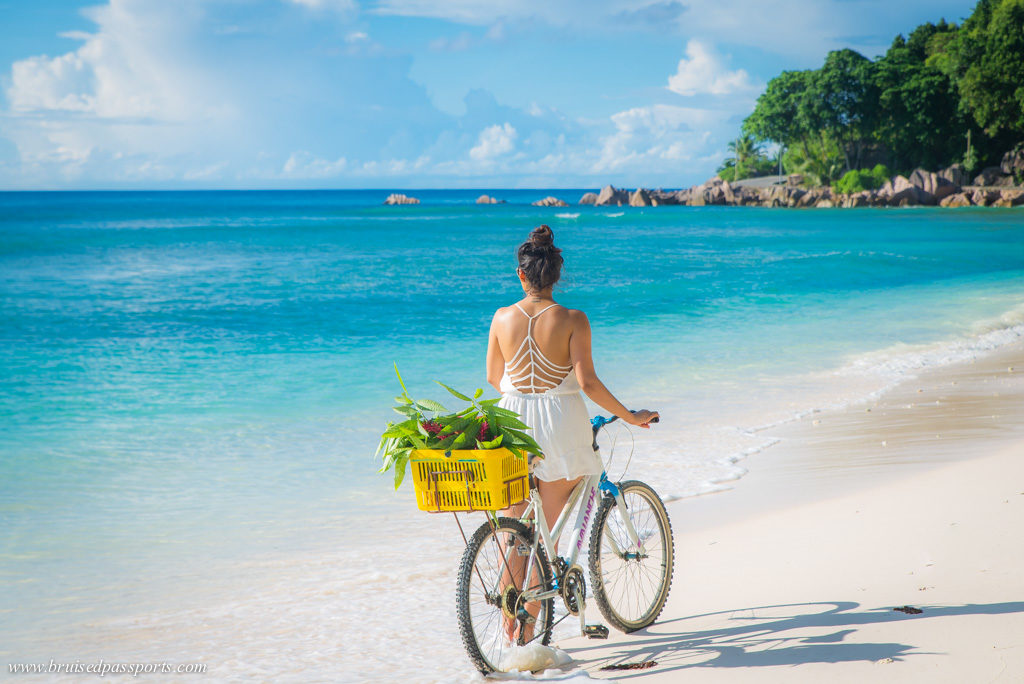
<point x="539" y="259"/>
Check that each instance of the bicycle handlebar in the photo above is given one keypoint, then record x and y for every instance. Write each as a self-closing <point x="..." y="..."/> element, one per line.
<point x="599" y="422"/>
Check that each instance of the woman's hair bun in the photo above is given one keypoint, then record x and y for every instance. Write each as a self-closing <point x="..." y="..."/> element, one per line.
<point x="542" y="237"/>
<point x="539" y="259"/>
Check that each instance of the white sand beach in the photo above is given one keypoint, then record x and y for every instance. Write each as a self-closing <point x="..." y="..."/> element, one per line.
<point x="792" y="576"/>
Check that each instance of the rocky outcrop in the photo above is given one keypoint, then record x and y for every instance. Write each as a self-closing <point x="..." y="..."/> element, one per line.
<point x="955" y="174"/>
<point x="992" y="176"/>
<point x="640" y="198"/>
<point x="984" y="198"/>
<point x="900" y="192"/>
<point x="934" y="186"/>
<point x="487" y="199"/>
<point x="960" y="199"/>
<point x="660" y="197"/>
<point x="609" y="195"/>
<point x="589" y="198"/>
<point x="1013" y="162"/>
<point x="1013" y="197"/>
<point x="550" y="202"/>
<point x="398" y="198"/>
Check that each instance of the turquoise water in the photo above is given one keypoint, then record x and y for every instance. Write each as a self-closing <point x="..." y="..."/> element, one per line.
<point x="197" y="377"/>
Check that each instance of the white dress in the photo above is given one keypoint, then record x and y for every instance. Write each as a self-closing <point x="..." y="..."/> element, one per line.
<point x="553" y="406"/>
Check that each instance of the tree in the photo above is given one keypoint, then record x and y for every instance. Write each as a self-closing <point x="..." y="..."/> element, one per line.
<point x="845" y="100"/>
<point x="745" y="150"/>
<point x="919" y="119"/>
<point x="988" y="61"/>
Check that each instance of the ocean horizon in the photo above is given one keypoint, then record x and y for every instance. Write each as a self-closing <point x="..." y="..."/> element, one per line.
<point x="196" y="380"/>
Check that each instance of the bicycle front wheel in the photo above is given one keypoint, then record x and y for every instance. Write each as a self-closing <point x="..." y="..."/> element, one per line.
<point x="630" y="585"/>
<point x="492" y="577"/>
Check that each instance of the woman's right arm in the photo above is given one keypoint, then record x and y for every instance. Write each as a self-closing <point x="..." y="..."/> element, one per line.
<point x="583" y="363"/>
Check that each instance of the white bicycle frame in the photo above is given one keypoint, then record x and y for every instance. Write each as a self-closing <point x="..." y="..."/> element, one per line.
<point x="592" y="486"/>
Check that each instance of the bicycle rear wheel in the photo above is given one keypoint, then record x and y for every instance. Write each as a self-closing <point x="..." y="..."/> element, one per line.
<point x="631" y="588"/>
<point x="491" y="579"/>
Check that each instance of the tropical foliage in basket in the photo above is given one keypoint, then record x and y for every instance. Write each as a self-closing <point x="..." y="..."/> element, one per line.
<point x="429" y="425"/>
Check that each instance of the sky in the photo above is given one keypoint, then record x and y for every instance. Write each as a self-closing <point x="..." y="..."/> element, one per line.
<point x="403" y="94"/>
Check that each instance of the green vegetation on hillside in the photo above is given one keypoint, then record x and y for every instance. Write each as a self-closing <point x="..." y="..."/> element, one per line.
<point x="945" y="94"/>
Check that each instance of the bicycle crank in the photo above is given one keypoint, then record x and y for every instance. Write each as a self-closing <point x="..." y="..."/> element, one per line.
<point x="573" y="589"/>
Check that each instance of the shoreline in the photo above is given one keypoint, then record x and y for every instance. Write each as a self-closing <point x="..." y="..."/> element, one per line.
<point x="839" y="523"/>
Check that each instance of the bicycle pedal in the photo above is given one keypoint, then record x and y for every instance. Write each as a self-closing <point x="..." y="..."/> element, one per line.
<point x="596" y="631"/>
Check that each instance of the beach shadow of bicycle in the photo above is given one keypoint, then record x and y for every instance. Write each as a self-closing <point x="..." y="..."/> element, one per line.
<point x="785" y="634"/>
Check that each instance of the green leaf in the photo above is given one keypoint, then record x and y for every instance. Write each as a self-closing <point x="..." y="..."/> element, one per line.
<point x="479" y="393"/>
<point x="396" y="431"/>
<point x="492" y="444"/>
<point x="459" y="441"/>
<point x="491" y="402"/>
<point x="457" y="395"/>
<point x="502" y="411"/>
<point x="403" y="400"/>
<point x="430" y="405"/>
<point x="400" y="464"/>
<point x="406" y="411"/>
<point x="400" y="379"/>
<point x="507" y="422"/>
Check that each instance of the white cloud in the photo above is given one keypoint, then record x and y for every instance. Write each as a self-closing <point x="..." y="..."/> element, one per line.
<point x="126" y="70"/>
<point x="305" y="165"/>
<point x="494" y="141"/>
<point x="658" y="137"/>
<point x="702" y="72"/>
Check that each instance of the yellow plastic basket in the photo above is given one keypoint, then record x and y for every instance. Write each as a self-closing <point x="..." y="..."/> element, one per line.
<point x="468" y="479"/>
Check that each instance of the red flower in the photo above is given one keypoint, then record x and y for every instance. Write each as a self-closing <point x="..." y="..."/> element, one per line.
<point x="433" y="427"/>
<point x="482" y="435"/>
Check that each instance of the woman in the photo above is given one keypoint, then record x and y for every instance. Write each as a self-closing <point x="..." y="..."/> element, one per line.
<point x="538" y="357"/>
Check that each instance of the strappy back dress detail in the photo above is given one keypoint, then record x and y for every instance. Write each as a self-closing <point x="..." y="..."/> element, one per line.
<point x="547" y="396"/>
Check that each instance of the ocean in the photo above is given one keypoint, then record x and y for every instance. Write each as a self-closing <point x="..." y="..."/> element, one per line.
<point x="192" y="385"/>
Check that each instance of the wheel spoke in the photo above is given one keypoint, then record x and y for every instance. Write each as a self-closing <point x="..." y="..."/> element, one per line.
<point x="631" y="589"/>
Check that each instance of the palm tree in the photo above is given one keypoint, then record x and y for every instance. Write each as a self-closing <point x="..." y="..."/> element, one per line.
<point x="745" y="149"/>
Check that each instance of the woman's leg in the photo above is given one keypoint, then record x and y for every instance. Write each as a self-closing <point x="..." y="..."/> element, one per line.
<point x="553" y="495"/>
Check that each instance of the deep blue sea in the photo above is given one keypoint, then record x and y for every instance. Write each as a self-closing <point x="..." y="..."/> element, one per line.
<point x="192" y="378"/>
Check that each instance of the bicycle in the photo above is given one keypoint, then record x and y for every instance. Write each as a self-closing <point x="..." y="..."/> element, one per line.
<point x="630" y="557"/>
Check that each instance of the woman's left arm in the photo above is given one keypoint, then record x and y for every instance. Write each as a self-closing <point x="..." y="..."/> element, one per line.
<point x="495" y="361"/>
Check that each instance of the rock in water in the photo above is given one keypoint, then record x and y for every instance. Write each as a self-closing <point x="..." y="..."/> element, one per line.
<point x="398" y="198"/>
<point x="900" y="192"/>
<point x="550" y="202"/>
<point x="640" y="198"/>
<point x="589" y="198"/>
<point x="1011" y="197"/>
<point x="934" y="186"/>
<point x="959" y="199"/>
<point x="610" y="195"/>
<point x="487" y="199"/>
<point x="984" y="198"/>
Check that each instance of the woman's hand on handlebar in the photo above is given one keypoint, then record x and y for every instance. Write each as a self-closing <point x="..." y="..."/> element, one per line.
<point x="643" y="418"/>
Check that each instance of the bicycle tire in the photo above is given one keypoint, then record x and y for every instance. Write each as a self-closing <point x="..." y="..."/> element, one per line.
<point x="613" y="587"/>
<point x="480" y="568"/>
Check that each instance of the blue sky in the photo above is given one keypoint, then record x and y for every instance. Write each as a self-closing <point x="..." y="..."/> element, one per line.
<point x="402" y="93"/>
